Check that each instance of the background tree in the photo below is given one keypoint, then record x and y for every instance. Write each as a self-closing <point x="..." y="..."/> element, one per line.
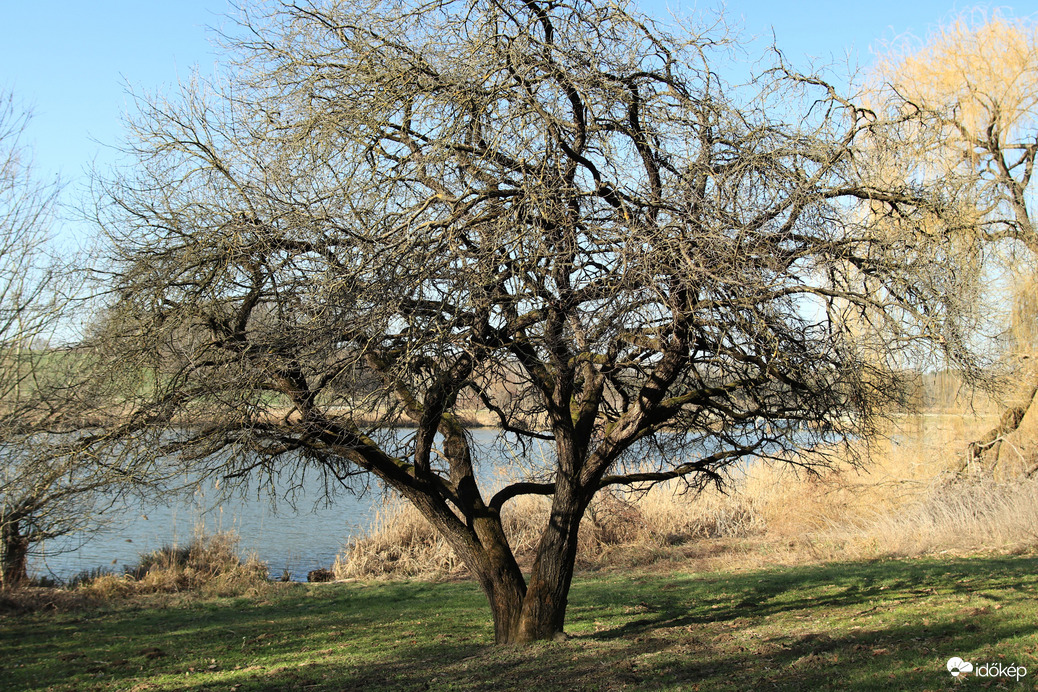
<point x="26" y="310"/>
<point x="973" y="87"/>
<point x="557" y="213"/>
<point x="44" y="492"/>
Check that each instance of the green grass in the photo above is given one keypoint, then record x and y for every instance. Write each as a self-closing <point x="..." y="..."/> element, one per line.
<point x="888" y="625"/>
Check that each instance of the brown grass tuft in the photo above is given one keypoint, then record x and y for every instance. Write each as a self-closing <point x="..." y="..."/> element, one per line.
<point x="209" y="564"/>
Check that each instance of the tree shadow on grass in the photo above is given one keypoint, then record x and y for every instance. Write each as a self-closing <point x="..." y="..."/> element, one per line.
<point x="874" y="660"/>
<point x="680" y="635"/>
<point x="714" y="631"/>
<point x="879" y="584"/>
<point x="677" y="636"/>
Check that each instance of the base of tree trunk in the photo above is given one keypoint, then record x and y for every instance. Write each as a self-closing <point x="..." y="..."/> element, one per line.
<point x="14" y="560"/>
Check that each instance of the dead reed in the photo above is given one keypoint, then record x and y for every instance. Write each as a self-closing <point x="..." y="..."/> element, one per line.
<point x="907" y="500"/>
<point x="209" y="564"/>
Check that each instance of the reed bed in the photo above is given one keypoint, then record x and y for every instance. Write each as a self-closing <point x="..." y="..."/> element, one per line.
<point x="908" y="499"/>
<point x="209" y="564"/>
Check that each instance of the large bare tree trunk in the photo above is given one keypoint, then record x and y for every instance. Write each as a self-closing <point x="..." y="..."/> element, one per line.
<point x="536" y="611"/>
<point x="485" y="550"/>
<point x="526" y="612"/>
<point x="543" y="613"/>
<point x="500" y="578"/>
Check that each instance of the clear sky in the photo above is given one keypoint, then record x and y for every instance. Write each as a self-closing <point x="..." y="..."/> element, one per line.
<point x="72" y="60"/>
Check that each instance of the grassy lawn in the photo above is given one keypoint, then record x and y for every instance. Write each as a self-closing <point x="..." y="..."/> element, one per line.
<point x="885" y="625"/>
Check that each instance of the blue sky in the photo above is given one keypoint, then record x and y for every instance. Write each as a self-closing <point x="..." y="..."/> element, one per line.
<point x="71" y="60"/>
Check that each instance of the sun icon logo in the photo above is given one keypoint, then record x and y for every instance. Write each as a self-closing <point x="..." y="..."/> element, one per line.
<point x="959" y="668"/>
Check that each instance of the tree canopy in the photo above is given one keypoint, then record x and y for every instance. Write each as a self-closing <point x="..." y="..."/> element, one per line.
<point x="555" y="214"/>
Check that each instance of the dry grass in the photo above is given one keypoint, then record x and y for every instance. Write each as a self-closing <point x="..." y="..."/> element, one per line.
<point x="400" y="543"/>
<point x="915" y="501"/>
<point x="908" y="501"/>
<point x="209" y="564"/>
<point x="32" y="599"/>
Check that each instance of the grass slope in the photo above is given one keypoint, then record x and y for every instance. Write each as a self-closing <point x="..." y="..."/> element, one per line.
<point x="887" y="625"/>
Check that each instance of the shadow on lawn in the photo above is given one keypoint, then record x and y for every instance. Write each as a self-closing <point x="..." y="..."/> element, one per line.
<point x="841" y="585"/>
<point x="681" y="635"/>
<point x="642" y="632"/>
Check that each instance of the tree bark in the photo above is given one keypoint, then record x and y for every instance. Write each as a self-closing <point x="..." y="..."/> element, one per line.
<point x="522" y="612"/>
<point x="543" y="615"/>
<point x="500" y="578"/>
<point x="505" y="591"/>
<point x="14" y="557"/>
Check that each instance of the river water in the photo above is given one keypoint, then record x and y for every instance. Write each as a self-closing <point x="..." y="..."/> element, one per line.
<point x="288" y="539"/>
<point x="291" y="538"/>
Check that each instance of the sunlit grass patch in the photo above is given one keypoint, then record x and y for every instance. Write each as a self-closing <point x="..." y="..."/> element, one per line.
<point x="887" y="624"/>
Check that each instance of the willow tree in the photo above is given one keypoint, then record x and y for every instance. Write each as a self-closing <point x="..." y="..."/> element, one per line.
<point x="554" y="213"/>
<point x="972" y="87"/>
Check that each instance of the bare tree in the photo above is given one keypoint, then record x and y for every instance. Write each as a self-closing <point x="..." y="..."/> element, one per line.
<point x="47" y="490"/>
<point x="553" y="212"/>
<point x="28" y="308"/>
<point x="973" y="89"/>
